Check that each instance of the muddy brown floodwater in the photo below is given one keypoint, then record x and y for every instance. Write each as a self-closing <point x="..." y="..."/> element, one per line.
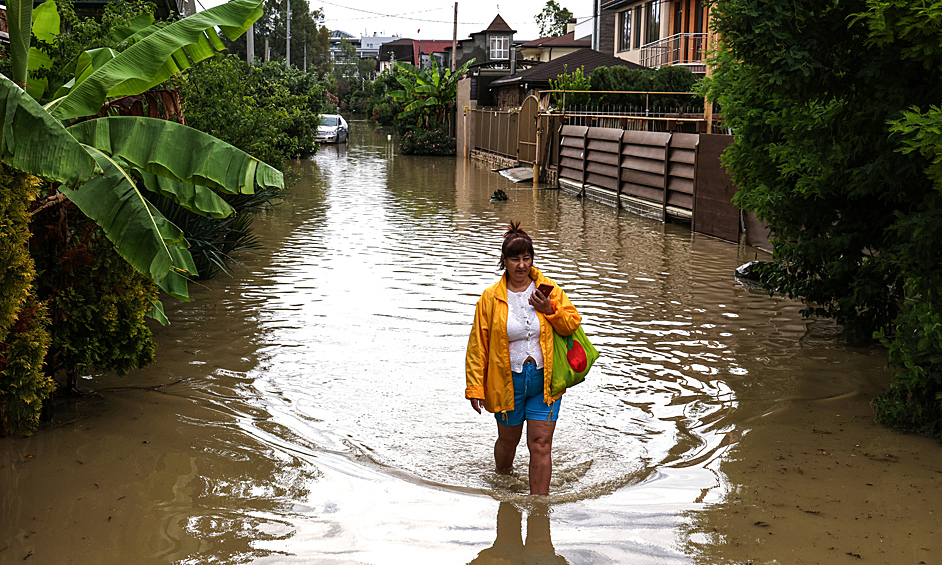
<point x="313" y="408"/>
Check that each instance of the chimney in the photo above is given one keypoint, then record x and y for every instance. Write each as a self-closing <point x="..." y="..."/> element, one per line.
<point x="571" y="25"/>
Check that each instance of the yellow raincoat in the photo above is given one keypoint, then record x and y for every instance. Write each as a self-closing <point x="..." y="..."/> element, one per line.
<point x="487" y="365"/>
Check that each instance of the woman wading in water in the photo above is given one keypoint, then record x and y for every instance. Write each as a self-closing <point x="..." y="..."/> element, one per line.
<point x="510" y="357"/>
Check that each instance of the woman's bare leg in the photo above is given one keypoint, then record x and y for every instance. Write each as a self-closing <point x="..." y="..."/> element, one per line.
<point x="540" y="443"/>
<point x="506" y="447"/>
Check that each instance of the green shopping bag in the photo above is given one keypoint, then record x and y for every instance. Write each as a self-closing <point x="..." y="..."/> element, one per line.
<point x="573" y="356"/>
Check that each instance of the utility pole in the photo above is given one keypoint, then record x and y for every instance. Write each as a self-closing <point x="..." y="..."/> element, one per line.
<point x="288" y="46"/>
<point x="267" y="50"/>
<point x="250" y="45"/>
<point x="454" y="42"/>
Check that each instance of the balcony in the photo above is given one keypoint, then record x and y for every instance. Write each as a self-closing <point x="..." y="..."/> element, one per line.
<point x="686" y="49"/>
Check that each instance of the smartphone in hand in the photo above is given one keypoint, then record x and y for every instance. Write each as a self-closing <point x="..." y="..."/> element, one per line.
<point x="545" y="289"/>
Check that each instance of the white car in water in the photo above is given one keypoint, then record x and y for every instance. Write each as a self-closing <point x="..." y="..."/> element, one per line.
<point x="332" y="129"/>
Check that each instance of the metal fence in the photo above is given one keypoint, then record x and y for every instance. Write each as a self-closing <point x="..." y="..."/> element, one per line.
<point x="495" y="131"/>
<point x="678" y="49"/>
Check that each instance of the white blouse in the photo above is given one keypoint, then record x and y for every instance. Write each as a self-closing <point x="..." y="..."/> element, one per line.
<point x="523" y="329"/>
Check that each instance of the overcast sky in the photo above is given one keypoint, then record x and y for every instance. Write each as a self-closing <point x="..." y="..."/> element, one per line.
<point x="432" y="19"/>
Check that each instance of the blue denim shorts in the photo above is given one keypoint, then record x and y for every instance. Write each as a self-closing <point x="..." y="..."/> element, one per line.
<point x="528" y="399"/>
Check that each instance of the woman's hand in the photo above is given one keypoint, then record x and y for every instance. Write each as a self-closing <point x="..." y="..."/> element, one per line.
<point x="477" y="404"/>
<point x="542" y="303"/>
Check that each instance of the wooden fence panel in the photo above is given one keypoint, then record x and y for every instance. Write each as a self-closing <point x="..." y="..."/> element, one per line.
<point x="572" y="153"/>
<point x="602" y="157"/>
<point x="714" y="212"/>
<point x="643" y="165"/>
<point x="681" y="173"/>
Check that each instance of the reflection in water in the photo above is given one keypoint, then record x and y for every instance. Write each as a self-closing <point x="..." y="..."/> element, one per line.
<point x="320" y="417"/>
<point x="509" y="547"/>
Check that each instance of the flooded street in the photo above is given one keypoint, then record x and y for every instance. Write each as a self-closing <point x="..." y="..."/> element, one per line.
<point x="313" y="407"/>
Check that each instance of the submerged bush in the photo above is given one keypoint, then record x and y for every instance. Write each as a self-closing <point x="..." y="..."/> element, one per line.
<point x="97" y="302"/>
<point x="424" y="141"/>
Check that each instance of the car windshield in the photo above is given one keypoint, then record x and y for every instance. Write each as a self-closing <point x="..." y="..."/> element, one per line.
<point x="330" y="121"/>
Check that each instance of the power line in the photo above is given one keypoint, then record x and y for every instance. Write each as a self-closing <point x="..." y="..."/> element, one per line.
<point x="403" y="17"/>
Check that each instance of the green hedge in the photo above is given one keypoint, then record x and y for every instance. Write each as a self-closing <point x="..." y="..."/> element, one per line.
<point x="23" y="335"/>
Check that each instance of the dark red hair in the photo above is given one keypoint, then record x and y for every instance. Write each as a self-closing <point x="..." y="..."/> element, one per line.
<point x="516" y="242"/>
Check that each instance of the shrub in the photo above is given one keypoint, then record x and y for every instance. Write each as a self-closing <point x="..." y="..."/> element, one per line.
<point x="270" y="111"/>
<point x="23" y="335"/>
<point x="97" y="302"/>
<point x="423" y="141"/>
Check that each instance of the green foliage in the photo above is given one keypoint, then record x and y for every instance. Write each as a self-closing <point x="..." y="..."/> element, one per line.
<point x="345" y="66"/>
<point x="23" y="336"/>
<point x="552" y="19"/>
<point x="159" y="53"/>
<point x="914" y="400"/>
<point x="97" y="302"/>
<point x="668" y="78"/>
<point x="307" y="38"/>
<point x="837" y="150"/>
<point x="428" y="94"/>
<point x="64" y="50"/>
<point x="270" y="111"/>
<point x="384" y="108"/>
<point x="575" y="80"/>
<point x="33" y="141"/>
<point x="17" y="190"/>
<point x="23" y="384"/>
<point x="432" y="139"/>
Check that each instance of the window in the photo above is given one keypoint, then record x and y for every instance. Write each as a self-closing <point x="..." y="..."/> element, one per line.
<point x="637" y="26"/>
<point x="652" y="21"/>
<point x="500" y="47"/>
<point x="624" y="30"/>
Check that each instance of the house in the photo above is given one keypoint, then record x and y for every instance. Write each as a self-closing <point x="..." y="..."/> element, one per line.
<point x="424" y="50"/>
<point x="548" y="48"/>
<point x="510" y="91"/>
<point x="652" y="33"/>
<point x="495" y="56"/>
<point x="370" y="45"/>
<point x="418" y="52"/>
<point x="398" y="50"/>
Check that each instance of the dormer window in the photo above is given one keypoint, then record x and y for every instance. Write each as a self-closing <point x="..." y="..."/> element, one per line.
<point x="500" y="47"/>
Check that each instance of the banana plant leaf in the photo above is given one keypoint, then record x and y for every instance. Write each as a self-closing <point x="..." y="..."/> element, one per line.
<point x="175" y="151"/>
<point x="157" y="312"/>
<point x="136" y="24"/>
<point x="36" y="143"/>
<point x="146" y="240"/>
<point x="19" y="24"/>
<point x="87" y="63"/>
<point x="46" y="21"/>
<point x="197" y="199"/>
<point x="176" y="280"/>
<point x="158" y="56"/>
<point x="45" y="27"/>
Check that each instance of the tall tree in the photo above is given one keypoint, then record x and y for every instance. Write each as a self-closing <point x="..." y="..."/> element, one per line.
<point x="305" y="35"/>
<point x="836" y="149"/>
<point x="552" y="19"/>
